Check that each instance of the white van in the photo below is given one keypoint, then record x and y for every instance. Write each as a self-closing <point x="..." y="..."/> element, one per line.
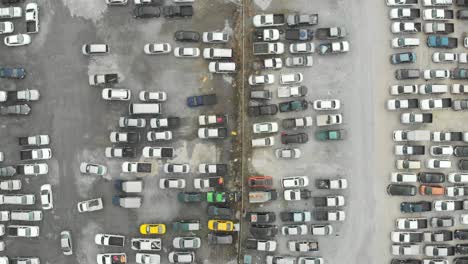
<point x="433" y="88"/>
<point x="144" y="109"/>
<point x="95" y="49"/>
<point x="290" y="78"/>
<point x="25" y="215"/>
<point x="222" y="67"/>
<point x="216" y="53"/>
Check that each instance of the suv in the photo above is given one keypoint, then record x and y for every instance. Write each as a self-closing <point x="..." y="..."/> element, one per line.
<point x="294" y="138"/>
<point x="187" y="36"/>
<point x="405" y="74"/>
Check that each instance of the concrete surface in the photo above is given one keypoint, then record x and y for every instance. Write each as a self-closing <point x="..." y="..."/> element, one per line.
<point x="79" y="121"/>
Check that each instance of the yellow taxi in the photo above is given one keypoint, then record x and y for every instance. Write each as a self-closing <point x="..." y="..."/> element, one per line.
<point x="152" y="229"/>
<point x="220" y="225"/>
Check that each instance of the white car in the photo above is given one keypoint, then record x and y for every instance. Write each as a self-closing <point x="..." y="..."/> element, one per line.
<point x="408" y="164"/>
<point x="403" y="42"/>
<point x="441" y="150"/>
<point x="295" y="182"/>
<point x="17" y="40"/>
<point x="116" y="2"/>
<point x="436" y="74"/>
<point x="457" y="177"/>
<point x="432" y="104"/>
<point x="222" y="67"/>
<point x="215" y="37"/>
<point x="291" y="78"/>
<point x="266" y="127"/>
<point x="158" y="135"/>
<point x="132" y="122"/>
<point x="288" y="153"/>
<point x="433" y="88"/>
<point x="307" y="47"/>
<point x="145" y="258"/>
<point x="403" y="89"/>
<point x="455" y="191"/>
<point x="10" y="185"/>
<point x="261" y="79"/>
<point x="263" y="142"/>
<point x="406" y="250"/>
<point x="464" y="219"/>
<point x="439" y="136"/>
<point x="187" y="52"/>
<point x="90" y="205"/>
<point x="47" y="199"/>
<point x="332" y="104"/>
<point x="293" y="230"/>
<point x="146" y="96"/>
<point x="438" y="164"/>
<point x="444" y="205"/>
<point x="90" y="168"/>
<point x="6" y="27"/>
<point x="437" y="2"/>
<point x="176" y="168"/>
<point x="437" y="250"/>
<point x="321" y="230"/>
<point x="400" y="2"/>
<point x="181" y="257"/>
<point x="293" y="195"/>
<point x="441" y="57"/>
<point x="403" y="177"/>
<point x="109" y="240"/>
<point x="405" y="27"/>
<point x="4" y="216"/>
<point x="463" y="57"/>
<point x="171" y="183"/>
<point x="157" y="48"/>
<point x="24" y="231"/>
<point x="108" y="258"/>
<point x="95" y="49"/>
<point x="116" y="94"/>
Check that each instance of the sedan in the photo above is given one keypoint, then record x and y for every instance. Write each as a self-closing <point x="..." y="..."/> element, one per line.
<point x="181" y="257"/>
<point x="403" y="89"/>
<point x="116" y="2"/>
<point x="89" y="168"/>
<point x="302" y="61"/>
<point x="17" y="40"/>
<point x="146" y="96"/>
<point x="457" y="178"/>
<point x="404" y="57"/>
<point x="439" y="250"/>
<point x="145" y="258"/>
<point x="186" y="242"/>
<point x="293" y="230"/>
<point x="47" y="200"/>
<point x="401" y="190"/>
<point x="215" y="37"/>
<point x="132" y="122"/>
<point x="438" y="164"/>
<point x="288" y="153"/>
<point x="441" y="57"/>
<point x="176" y="168"/>
<point x="90" y="205"/>
<point x="116" y="94"/>
<point x="188" y="36"/>
<point x="436" y="74"/>
<point x="308" y="47"/>
<point x="6" y="27"/>
<point x="332" y="104"/>
<point x="152" y="229"/>
<point x="158" y="135"/>
<point x="267" y="127"/>
<point x="146" y="11"/>
<point x="441" y="150"/>
<point x="294" y="138"/>
<point x="157" y="48"/>
<point x="66" y="243"/>
<point x="295" y="182"/>
<point x="171" y="183"/>
<point x="187" y="52"/>
<point x="261" y="79"/>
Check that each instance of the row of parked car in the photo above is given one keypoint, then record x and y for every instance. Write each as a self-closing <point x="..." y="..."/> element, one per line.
<point x="410" y="233"/>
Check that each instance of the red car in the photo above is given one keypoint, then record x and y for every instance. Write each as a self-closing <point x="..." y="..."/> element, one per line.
<point x="261" y="182"/>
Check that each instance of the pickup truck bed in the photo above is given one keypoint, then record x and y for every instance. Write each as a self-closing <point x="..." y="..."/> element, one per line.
<point x="143" y="167"/>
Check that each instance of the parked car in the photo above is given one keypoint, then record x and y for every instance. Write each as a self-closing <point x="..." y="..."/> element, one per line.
<point x="90" y="168"/>
<point x="187" y="36"/>
<point x="146" y="11"/>
<point x="17" y="40"/>
<point x="187" y="52"/>
<point x="215" y="37"/>
<point x="157" y="48"/>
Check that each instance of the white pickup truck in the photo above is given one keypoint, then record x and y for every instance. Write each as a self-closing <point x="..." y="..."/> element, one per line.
<point x="32" y="18"/>
<point x="292" y="91"/>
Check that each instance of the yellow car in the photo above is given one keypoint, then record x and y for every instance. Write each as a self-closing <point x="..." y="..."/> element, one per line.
<point x="220" y="225"/>
<point x="152" y="229"/>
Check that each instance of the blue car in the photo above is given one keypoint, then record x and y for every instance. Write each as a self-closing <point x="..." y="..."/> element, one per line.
<point x="13" y="73"/>
<point x="200" y="100"/>
<point x="404" y="57"/>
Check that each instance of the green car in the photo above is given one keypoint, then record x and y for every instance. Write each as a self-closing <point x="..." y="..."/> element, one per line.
<point x="333" y="134"/>
<point x="216" y="197"/>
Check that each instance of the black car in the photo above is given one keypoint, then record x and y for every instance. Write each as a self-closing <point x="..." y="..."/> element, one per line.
<point x="406" y="74"/>
<point x="263" y="230"/>
<point x="445" y="221"/>
<point x="200" y="100"/>
<point x="463" y="260"/>
<point x="406" y="261"/>
<point x="187" y="36"/>
<point x="219" y="239"/>
<point x="460" y="151"/>
<point x="261" y="217"/>
<point x="173" y="11"/>
<point x="263" y="110"/>
<point x="461" y="234"/>
<point x="431" y="177"/>
<point x="401" y="190"/>
<point x="463" y="164"/>
<point x="294" y="138"/>
<point x="415" y="207"/>
<point x="461" y="249"/>
<point x="217" y="211"/>
<point x="146" y="11"/>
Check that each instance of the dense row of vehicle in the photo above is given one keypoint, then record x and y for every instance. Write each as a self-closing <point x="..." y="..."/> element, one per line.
<point x="421" y="169"/>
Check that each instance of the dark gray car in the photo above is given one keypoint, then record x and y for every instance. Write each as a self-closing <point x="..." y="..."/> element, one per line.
<point x="401" y="190"/>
